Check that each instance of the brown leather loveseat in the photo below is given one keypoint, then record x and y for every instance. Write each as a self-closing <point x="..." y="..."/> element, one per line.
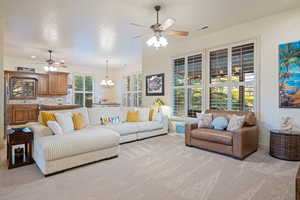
<point x="238" y="144"/>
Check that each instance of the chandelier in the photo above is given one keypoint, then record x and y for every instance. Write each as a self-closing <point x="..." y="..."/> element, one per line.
<point x="157" y="41"/>
<point x="107" y="82"/>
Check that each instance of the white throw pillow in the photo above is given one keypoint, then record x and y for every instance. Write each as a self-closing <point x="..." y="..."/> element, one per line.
<point x="144" y="114"/>
<point x="55" y="128"/>
<point x="204" y="120"/>
<point x="65" y="121"/>
<point x="157" y="117"/>
<point x="236" y="122"/>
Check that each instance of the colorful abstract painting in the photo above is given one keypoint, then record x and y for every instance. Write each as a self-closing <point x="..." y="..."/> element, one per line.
<point x="289" y="75"/>
<point x="155" y="85"/>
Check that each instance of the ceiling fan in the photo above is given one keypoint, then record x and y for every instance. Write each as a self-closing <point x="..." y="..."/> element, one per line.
<point x="159" y="29"/>
<point x="52" y="62"/>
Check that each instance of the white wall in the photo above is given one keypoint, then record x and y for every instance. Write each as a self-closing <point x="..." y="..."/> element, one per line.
<point x="269" y="32"/>
<point x="1" y="83"/>
<point x="10" y="63"/>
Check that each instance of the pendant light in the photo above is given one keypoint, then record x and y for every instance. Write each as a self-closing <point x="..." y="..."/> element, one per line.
<point x="107" y="82"/>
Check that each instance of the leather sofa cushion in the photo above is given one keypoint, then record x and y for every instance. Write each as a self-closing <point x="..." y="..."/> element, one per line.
<point x="250" y="119"/>
<point x="211" y="135"/>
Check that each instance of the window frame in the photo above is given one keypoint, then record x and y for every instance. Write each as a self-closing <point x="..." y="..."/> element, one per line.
<point x="132" y="97"/>
<point x="186" y="86"/>
<point x="83" y="92"/>
<point x="205" y="82"/>
<point x="229" y="83"/>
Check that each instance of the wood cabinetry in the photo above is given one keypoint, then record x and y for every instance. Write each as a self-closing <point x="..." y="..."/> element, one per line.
<point x="43" y="84"/>
<point x="52" y="83"/>
<point x="58" y="83"/>
<point x="22" y="113"/>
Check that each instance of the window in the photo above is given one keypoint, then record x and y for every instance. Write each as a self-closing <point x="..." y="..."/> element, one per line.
<point x="132" y="95"/>
<point x="232" y="78"/>
<point x="226" y="82"/>
<point x="83" y="90"/>
<point x="187" y="95"/>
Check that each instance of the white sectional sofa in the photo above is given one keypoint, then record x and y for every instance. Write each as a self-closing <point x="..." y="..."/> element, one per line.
<point x="55" y="153"/>
<point x="129" y="131"/>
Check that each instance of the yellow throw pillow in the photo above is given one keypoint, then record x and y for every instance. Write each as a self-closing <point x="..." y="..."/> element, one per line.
<point x="133" y="116"/>
<point x="78" y="121"/>
<point x="151" y="114"/>
<point x="47" y="116"/>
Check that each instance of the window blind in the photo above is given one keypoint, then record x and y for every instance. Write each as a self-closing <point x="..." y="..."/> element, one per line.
<point x="218" y="65"/>
<point x="194" y="69"/>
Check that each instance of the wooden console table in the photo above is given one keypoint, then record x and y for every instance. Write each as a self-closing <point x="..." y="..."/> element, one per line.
<point x="285" y="146"/>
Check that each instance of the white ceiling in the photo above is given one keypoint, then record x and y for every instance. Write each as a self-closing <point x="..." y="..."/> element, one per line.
<point x="86" y="32"/>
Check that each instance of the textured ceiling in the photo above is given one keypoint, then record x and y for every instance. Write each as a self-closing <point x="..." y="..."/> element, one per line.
<point x="86" y="32"/>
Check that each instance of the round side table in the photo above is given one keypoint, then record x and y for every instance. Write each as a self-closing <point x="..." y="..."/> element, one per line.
<point x="285" y="146"/>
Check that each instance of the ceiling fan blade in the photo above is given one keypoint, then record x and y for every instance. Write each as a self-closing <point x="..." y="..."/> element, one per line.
<point x="139" y="36"/>
<point x="138" y="25"/>
<point x="167" y="24"/>
<point x="179" y="33"/>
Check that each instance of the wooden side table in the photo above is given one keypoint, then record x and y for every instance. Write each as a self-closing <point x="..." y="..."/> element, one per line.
<point x="285" y="146"/>
<point x="17" y="138"/>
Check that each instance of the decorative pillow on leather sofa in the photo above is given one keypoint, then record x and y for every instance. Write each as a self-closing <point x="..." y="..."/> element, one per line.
<point x="236" y="122"/>
<point x="220" y="123"/>
<point x="204" y="120"/>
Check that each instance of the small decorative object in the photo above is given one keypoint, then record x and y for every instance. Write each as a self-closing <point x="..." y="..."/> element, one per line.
<point x="286" y="124"/>
<point x="22" y="88"/>
<point x="289" y="75"/>
<point x="158" y="102"/>
<point x="59" y="101"/>
<point x="25" y="69"/>
<point x="18" y="154"/>
<point x="155" y="85"/>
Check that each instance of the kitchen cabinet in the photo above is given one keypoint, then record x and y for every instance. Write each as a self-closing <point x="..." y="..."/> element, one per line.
<point x="58" y="83"/>
<point x="22" y="113"/>
<point x="43" y="85"/>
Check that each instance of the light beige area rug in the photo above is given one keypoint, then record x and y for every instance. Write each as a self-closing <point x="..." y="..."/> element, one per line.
<point x="160" y="168"/>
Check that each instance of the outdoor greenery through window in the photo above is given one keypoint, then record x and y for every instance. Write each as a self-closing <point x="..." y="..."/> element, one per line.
<point x="229" y="84"/>
<point x="83" y="90"/>
<point x="232" y="84"/>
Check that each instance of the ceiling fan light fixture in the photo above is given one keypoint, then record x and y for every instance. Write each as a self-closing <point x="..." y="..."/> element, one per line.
<point x="50" y="69"/>
<point x="157" y="42"/>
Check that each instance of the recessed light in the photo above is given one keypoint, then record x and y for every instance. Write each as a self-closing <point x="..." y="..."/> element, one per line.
<point x="33" y="57"/>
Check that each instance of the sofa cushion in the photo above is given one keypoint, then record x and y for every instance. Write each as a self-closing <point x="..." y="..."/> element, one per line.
<point x="211" y="135"/>
<point x="75" y="143"/>
<point x="149" y="126"/>
<point x="125" y="128"/>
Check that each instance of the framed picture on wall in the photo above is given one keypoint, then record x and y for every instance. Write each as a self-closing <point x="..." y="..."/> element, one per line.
<point x="155" y="85"/>
<point x="289" y="75"/>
